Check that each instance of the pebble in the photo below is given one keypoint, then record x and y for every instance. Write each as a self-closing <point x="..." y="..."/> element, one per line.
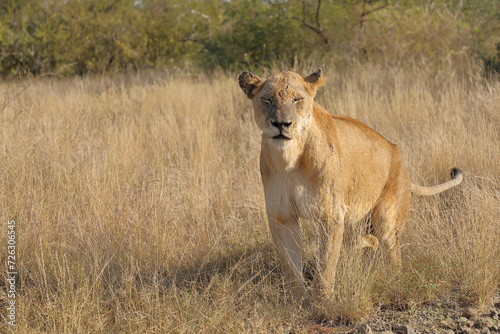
<point x="448" y="322"/>
<point x="485" y="331"/>
<point x="404" y="330"/>
<point x="364" y="329"/>
<point x="489" y="322"/>
<point x="463" y="320"/>
<point x="469" y="313"/>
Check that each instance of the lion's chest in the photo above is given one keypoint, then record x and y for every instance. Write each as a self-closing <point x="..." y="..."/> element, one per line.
<point x="290" y="194"/>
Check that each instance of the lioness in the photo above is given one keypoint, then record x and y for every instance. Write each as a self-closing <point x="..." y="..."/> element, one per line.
<point x="327" y="169"/>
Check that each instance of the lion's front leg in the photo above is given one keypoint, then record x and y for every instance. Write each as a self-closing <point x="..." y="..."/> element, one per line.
<point x="331" y="233"/>
<point x="288" y="239"/>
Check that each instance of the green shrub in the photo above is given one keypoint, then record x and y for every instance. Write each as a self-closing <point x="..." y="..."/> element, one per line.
<point x="492" y="63"/>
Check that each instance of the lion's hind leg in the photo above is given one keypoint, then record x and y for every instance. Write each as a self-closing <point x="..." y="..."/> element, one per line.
<point x="388" y="220"/>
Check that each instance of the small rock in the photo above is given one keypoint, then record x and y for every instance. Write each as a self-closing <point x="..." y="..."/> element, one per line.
<point x="485" y="331"/>
<point x="475" y="322"/>
<point x="488" y="322"/>
<point x="467" y="330"/>
<point x="480" y="323"/>
<point x="433" y="329"/>
<point x="469" y="313"/>
<point x="364" y="329"/>
<point x="449" y="323"/>
<point x="463" y="320"/>
<point x="405" y="330"/>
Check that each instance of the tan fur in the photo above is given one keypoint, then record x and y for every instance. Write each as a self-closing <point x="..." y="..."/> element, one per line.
<point x="328" y="169"/>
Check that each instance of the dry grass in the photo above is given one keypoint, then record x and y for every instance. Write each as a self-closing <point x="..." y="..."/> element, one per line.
<point x="140" y="207"/>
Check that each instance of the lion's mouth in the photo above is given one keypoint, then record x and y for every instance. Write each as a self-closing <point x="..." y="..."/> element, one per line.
<point x="280" y="136"/>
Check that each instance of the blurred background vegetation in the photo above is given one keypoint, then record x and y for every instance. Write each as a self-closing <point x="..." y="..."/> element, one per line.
<point x="109" y="36"/>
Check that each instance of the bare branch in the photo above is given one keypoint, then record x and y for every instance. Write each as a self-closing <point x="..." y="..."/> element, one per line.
<point x="206" y="17"/>
<point x="366" y="12"/>
<point x="317" y="16"/>
<point x="318" y="29"/>
<point x="374" y="10"/>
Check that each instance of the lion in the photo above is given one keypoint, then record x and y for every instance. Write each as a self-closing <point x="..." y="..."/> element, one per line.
<point x="328" y="169"/>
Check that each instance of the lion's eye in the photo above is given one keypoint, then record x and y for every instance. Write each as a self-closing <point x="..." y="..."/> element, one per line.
<point x="298" y="99"/>
<point x="266" y="100"/>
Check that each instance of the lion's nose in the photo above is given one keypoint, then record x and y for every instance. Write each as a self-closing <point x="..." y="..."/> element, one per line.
<point x="281" y="125"/>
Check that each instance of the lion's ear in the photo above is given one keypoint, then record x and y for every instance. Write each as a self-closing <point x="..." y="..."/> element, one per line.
<point x="316" y="79"/>
<point x="248" y="82"/>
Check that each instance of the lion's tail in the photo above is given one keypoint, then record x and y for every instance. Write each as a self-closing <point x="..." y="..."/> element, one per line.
<point x="456" y="179"/>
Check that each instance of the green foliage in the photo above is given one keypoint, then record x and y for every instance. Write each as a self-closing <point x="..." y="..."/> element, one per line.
<point x="91" y="36"/>
<point x="118" y="35"/>
<point x="492" y="63"/>
<point x="253" y="32"/>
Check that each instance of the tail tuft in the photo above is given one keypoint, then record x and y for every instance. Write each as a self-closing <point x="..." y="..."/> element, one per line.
<point x="455" y="172"/>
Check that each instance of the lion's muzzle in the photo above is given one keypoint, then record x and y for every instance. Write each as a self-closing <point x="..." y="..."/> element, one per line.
<point x="282" y="126"/>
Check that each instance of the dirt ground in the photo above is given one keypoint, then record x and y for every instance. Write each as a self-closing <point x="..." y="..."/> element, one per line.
<point x="447" y="318"/>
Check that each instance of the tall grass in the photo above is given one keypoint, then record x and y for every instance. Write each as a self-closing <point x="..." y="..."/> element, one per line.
<point x="139" y="204"/>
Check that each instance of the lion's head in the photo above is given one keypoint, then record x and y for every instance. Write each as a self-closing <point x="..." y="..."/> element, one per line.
<point x="282" y="103"/>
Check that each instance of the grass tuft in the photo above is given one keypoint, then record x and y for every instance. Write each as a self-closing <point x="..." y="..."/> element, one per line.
<point x="139" y="205"/>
